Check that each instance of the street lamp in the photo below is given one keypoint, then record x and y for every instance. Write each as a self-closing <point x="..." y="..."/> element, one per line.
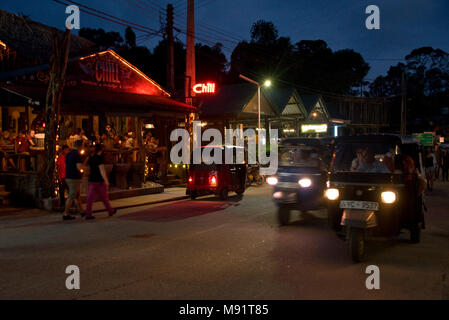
<point x="267" y="83"/>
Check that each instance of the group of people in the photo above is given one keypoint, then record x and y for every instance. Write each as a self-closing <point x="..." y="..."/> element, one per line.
<point x="13" y="146"/>
<point x="71" y="164"/>
<point x="433" y="163"/>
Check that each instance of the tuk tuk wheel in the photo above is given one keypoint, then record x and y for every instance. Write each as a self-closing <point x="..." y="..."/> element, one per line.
<point x="240" y="191"/>
<point x="333" y="220"/>
<point x="415" y="234"/>
<point x="224" y="194"/>
<point x="193" y="195"/>
<point x="357" y="239"/>
<point x="283" y="216"/>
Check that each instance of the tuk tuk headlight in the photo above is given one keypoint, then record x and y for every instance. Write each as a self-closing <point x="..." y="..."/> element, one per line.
<point x="332" y="194"/>
<point x="388" y="197"/>
<point x="305" y="182"/>
<point x="272" y="181"/>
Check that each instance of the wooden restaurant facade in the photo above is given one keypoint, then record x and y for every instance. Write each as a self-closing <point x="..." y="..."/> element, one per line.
<point x="103" y="93"/>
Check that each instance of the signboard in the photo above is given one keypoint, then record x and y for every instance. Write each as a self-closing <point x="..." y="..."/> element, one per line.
<point x="107" y="70"/>
<point x="200" y="88"/>
<point x="313" y="128"/>
<point x="425" y="138"/>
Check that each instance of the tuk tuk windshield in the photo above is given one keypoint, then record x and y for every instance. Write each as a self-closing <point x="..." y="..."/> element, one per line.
<point x="365" y="157"/>
<point x="299" y="156"/>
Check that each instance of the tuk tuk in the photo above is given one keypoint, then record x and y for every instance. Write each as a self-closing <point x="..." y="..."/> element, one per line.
<point x="375" y="189"/>
<point x="301" y="177"/>
<point x="218" y="179"/>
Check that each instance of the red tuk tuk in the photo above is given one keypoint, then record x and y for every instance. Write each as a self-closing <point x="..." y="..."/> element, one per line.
<point x="218" y="179"/>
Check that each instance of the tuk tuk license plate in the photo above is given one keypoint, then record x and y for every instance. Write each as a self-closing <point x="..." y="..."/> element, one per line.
<point x="362" y="205"/>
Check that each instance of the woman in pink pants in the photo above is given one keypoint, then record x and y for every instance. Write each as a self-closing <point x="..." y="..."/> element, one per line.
<point x="98" y="183"/>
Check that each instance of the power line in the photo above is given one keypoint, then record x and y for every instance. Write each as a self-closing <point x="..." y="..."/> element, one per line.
<point x="108" y="17"/>
<point x="148" y="5"/>
<point x="204" y="4"/>
<point x="140" y="12"/>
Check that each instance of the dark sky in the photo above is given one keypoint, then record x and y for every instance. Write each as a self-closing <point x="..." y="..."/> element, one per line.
<point x="404" y="24"/>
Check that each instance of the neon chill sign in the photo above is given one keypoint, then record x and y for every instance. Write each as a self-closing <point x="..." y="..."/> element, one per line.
<point x="204" y="88"/>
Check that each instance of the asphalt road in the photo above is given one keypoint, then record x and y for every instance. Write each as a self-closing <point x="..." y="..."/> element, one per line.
<point x="209" y="249"/>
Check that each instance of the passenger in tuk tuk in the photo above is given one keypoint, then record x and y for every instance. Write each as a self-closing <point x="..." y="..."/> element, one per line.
<point x="357" y="160"/>
<point x="369" y="163"/>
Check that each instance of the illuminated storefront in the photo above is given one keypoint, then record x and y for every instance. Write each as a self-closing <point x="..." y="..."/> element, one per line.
<point x="103" y="94"/>
<point x="323" y="120"/>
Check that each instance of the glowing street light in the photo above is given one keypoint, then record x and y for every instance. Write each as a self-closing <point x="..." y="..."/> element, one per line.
<point x="267" y="83"/>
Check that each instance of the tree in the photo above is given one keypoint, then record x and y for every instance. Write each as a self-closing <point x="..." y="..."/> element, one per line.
<point x="427" y="75"/>
<point x="211" y="63"/>
<point x="389" y="85"/>
<point x="308" y="63"/>
<point x="104" y="40"/>
<point x="140" y="57"/>
<point x="318" y="67"/>
<point x="265" y="56"/>
<point x="264" y="32"/>
<point x="157" y="66"/>
<point x="130" y="37"/>
<point x="349" y="69"/>
<point x="58" y="66"/>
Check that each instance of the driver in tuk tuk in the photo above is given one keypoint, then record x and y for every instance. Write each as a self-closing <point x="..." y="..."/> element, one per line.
<point x="369" y="164"/>
<point x="357" y="160"/>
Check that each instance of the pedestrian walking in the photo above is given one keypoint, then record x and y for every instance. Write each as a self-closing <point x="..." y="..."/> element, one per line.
<point x="445" y="164"/>
<point x="73" y="167"/>
<point x="438" y="157"/>
<point x="98" y="183"/>
<point x="60" y="163"/>
<point x="430" y="164"/>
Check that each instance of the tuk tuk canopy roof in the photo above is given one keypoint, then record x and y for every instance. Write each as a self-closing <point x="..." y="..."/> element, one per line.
<point x="376" y="138"/>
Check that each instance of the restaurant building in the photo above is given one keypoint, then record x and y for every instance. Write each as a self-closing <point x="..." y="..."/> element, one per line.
<point x="103" y="94"/>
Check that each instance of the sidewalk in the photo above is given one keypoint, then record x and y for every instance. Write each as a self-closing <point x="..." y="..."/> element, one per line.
<point x="169" y="194"/>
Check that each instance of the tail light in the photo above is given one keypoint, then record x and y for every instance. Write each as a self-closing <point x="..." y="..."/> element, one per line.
<point x="213" y="181"/>
<point x="190" y="179"/>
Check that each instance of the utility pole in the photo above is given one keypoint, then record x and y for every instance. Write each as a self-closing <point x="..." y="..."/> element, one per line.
<point x="170" y="50"/>
<point x="190" y="52"/>
<point x="403" y="105"/>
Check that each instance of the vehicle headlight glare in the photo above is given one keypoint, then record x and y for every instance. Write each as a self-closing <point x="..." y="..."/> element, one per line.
<point x="332" y="194"/>
<point x="305" y="182"/>
<point x="272" y="181"/>
<point x="388" y="197"/>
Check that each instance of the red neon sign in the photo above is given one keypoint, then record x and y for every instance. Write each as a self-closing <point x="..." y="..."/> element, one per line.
<point x="204" y="88"/>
